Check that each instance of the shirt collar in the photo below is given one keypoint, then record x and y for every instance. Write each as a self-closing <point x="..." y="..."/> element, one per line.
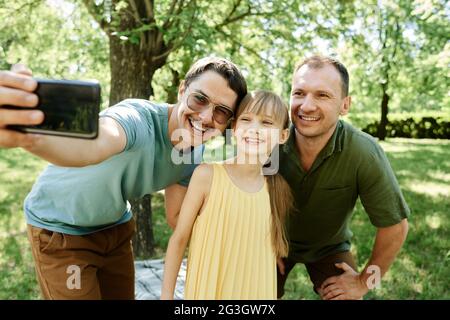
<point x="334" y="145"/>
<point x="336" y="141"/>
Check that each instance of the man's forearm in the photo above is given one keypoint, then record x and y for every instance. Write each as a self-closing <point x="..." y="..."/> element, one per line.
<point x="66" y="152"/>
<point x="388" y="243"/>
<point x="71" y="152"/>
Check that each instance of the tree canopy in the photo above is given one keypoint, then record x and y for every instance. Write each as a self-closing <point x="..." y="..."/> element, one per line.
<point x="403" y="41"/>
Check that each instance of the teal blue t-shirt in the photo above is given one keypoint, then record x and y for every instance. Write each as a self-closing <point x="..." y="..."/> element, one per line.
<point x="84" y="200"/>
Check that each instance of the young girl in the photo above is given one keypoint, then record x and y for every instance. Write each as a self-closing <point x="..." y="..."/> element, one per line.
<point x="234" y="214"/>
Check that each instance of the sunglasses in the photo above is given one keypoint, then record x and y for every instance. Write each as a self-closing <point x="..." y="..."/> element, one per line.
<point x="198" y="102"/>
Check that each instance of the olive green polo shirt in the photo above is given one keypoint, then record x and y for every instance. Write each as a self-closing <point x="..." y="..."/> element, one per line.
<point x="351" y="165"/>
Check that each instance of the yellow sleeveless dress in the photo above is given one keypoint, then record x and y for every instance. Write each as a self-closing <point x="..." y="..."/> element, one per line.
<point x="230" y="252"/>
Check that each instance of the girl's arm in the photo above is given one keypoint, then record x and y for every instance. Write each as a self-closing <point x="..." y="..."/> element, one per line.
<point x="196" y="194"/>
<point x="173" y="198"/>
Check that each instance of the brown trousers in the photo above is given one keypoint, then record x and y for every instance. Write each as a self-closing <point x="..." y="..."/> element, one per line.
<point x="94" y="266"/>
<point x="318" y="271"/>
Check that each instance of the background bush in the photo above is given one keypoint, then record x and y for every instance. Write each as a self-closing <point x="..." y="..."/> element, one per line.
<point x="426" y="127"/>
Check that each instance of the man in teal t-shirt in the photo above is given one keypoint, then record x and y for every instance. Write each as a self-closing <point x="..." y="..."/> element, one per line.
<point x="79" y="219"/>
<point x="329" y="164"/>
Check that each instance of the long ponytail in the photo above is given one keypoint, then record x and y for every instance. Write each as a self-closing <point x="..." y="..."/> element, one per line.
<point x="281" y="202"/>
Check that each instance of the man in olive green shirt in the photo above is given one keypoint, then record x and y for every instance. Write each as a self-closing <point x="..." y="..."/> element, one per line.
<point x="329" y="164"/>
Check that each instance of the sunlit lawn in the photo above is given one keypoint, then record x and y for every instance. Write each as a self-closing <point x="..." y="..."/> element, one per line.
<point x="422" y="270"/>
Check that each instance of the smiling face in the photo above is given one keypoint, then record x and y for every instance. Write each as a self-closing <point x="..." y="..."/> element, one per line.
<point x="262" y="123"/>
<point x="256" y="135"/>
<point x="317" y="101"/>
<point x="200" y="126"/>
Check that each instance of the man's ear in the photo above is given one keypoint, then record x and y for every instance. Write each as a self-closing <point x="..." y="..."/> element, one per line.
<point x="284" y="136"/>
<point x="181" y="89"/>
<point x="345" y="107"/>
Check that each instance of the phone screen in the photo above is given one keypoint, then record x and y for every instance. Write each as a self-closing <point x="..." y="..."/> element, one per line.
<point x="70" y="107"/>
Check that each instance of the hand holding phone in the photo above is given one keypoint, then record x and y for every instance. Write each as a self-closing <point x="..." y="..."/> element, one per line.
<point x="16" y="88"/>
<point x="70" y="108"/>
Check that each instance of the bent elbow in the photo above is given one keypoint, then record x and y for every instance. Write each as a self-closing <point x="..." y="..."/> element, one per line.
<point x="171" y="220"/>
<point x="171" y="223"/>
<point x="404" y="228"/>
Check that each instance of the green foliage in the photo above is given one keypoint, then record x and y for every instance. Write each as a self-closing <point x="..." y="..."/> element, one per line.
<point x="60" y="39"/>
<point x="362" y="119"/>
<point x="403" y="44"/>
<point x="55" y="40"/>
<point x="250" y="42"/>
<point x="427" y="127"/>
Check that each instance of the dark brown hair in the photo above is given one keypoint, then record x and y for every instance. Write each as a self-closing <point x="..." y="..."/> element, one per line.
<point x="227" y="69"/>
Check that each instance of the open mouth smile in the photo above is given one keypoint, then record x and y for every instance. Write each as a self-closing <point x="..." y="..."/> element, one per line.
<point x="308" y="118"/>
<point x="197" y="126"/>
<point x="253" y="141"/>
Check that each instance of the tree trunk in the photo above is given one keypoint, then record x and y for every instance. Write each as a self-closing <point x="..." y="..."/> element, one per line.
<point x="384" y="112"/>
<point x="172" y="90"/>
<point x="134" y="58"/>
<point x="131" y="77"/>
<point x="143" y="241"/>
<point x="131" y="71"/>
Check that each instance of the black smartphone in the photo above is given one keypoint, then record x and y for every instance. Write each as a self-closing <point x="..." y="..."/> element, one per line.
<point x="71" y="108"/>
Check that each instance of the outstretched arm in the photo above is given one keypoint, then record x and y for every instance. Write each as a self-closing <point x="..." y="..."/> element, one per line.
<point x="192" y="204"/>
<point x="16" y="88"/>
<point x="353" y="285"/>
<point x="70" y="152"/>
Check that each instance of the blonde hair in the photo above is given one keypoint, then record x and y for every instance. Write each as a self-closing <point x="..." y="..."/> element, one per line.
<point x="281" y="199"/>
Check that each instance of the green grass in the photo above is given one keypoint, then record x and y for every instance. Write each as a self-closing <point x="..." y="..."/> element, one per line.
<point x="17" y="173"/>
<point x="421" y="270"/>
